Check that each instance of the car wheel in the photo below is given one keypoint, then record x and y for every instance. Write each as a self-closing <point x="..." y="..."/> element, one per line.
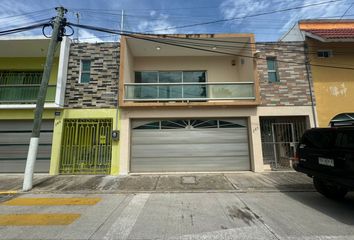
<point x="328" y="189"/>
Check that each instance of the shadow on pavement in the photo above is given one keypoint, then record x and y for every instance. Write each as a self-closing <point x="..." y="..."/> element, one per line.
<point x="340" y="210"/>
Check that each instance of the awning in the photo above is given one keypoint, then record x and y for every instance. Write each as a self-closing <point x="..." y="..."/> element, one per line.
<point x="343" y="119"/>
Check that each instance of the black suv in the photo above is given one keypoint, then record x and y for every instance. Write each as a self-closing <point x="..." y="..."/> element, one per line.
<point x="327" y="155"/>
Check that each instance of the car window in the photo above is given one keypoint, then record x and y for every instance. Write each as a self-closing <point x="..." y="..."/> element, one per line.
<point x="345" y="140"/>
<point x="318" y="139"/>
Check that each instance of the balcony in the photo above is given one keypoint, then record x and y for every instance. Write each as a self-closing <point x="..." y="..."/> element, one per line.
<point x="157" y="74"/>
<point x="22" y="88"/>
<point x="186" y="92"/>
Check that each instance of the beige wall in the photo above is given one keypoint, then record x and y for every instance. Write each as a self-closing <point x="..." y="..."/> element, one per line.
<point x="246" y="70"/>
<point x="283" y="111"/>
<point x="219" y="68"/>
<point x="128" y="66"/>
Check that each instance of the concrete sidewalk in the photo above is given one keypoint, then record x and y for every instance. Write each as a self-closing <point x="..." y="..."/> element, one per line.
<point x="231" y="182"/>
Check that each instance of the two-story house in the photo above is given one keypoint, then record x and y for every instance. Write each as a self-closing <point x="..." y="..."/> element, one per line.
<point x="21" y="67"/>
<point x="287" y="106"/>
<point x="85" y="139"/>
<point x="189" y="109"/>
<point x="329" y="50"/>
<point x="209" y="103"/>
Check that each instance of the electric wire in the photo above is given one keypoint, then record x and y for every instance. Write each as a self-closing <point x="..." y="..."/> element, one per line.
<point x="243" y="17"/>
<point x="237" y="55"/>
<point x="187" y="44"/>
<point x="248" y="16"/>
<point x="182" y="44"/>
<point x="25" y="14"/>
<point x="259" y="46"/>
<point x="159" y="9"/>
<point x="39" y="24"/>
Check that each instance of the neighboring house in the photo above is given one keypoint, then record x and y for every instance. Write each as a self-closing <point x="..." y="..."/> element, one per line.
<point x="21" y="67"/>
<point x="183" y="109"/>
<point x="82" y="141"/>
<point x="330" y="43"/>
<point x="286" y="108"/>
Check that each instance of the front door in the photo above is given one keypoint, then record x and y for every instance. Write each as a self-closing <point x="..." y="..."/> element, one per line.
<point x="86" y="146"/>
<point x="284" y="144"/>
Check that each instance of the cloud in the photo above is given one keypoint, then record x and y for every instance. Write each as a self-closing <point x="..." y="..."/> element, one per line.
<point x="320" y="11"/>
<point x="160" y="24"/>
<point x="240" y="8"/>
<point x="10" y="16"/>
<point x="280" y="22"/>
<point x="152" y="13"/>
<point x="86" y="36"/>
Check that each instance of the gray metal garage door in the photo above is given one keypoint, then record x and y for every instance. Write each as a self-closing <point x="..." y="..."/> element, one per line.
<point x="14" y="140"/>
<point x="190" y="145"/>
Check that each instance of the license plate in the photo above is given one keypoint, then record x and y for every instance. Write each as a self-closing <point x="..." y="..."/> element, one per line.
<point x="326" y="161"/>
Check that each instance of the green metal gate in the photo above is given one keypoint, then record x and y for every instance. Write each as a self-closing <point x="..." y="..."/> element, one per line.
<point x="86" y="146"/>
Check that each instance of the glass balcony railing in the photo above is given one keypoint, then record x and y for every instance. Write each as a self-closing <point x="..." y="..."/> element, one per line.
<point x="189" y="91"/>
<point x="22" y="87"/>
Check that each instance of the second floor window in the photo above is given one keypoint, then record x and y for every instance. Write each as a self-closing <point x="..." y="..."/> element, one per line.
<point x="170" y="84"/>
<point x="170" y="76"/>
<point x="272" y="69"/>
<point x="85" y="71"/>
<point x="324" y="53"/>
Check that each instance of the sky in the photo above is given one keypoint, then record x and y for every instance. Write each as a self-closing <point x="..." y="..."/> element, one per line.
<point x="167" y="16"/>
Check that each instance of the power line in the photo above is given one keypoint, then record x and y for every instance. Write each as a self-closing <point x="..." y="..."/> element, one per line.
<point x="25" y="14"/>
<point x="247" y="16"/>
<point x="237" y="18"/>
<point x="237" y="55"/>
<point x="17" y="22"/>
<point x="215" y="43"/>
<point x="154" y="9"/>
<point x="26" y="28"/>
<point x="137" y="19"/>
<point x="267" y="47"/>
<point x="180" y="44"/>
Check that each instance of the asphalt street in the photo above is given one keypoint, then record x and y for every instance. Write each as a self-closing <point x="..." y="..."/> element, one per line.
<point x="219" y="215"/>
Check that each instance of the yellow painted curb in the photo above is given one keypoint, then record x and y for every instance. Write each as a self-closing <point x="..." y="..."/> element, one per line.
<point x="51" y="201"/>
<point x="8" y="192"/>
<point x="37" y="219"/>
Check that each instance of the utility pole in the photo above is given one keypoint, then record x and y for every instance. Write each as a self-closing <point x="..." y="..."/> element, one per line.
<point x="122" y="21"/>
<point x="307" y="60"/>
<point x="58" y="28"/>
<point x="77" y="29"/>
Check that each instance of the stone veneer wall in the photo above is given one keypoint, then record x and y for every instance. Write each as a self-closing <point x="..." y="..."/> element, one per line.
<point x="102" y="90"/>
<point x="293" y="87"/>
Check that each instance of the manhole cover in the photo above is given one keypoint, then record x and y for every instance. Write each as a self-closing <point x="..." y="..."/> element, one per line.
<point x="189" y="180"/>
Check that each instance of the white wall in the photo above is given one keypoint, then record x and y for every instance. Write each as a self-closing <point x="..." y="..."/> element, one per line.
<point x="62" y="71"/>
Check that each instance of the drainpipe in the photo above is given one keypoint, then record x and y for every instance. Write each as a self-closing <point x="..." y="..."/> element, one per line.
<point x="307" y="64"/>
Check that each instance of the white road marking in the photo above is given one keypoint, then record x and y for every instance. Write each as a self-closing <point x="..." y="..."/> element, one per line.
<point x="254" y="232"/>
<point x="122" y="227"/>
